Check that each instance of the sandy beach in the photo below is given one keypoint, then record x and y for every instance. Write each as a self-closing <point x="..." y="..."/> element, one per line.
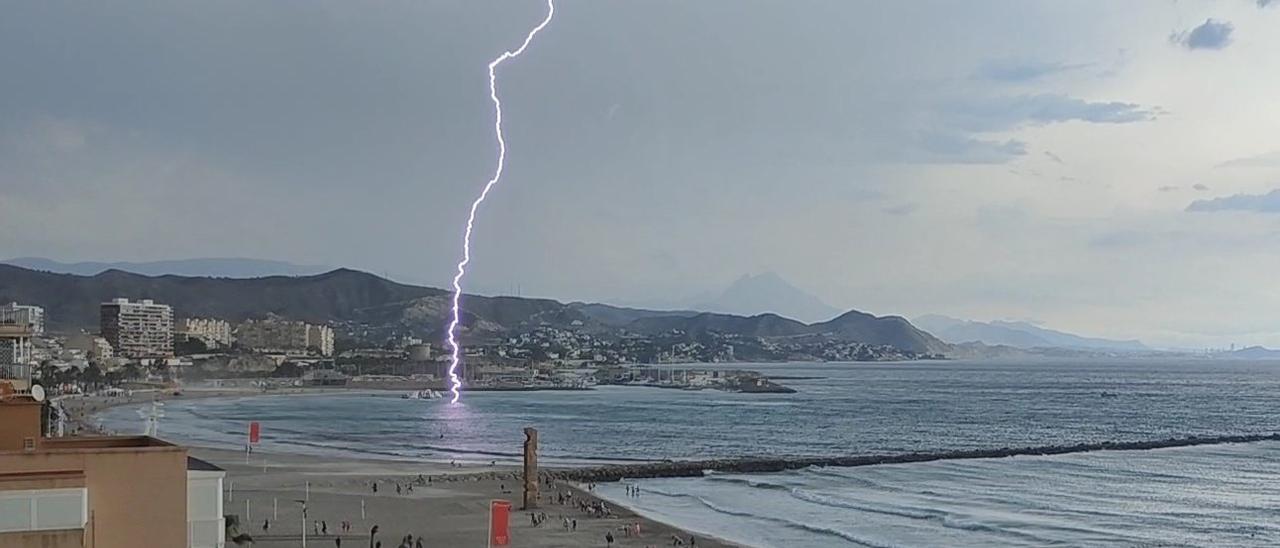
<point x="446" y="507"/>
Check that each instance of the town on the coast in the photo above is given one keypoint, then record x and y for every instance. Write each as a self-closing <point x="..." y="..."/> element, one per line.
<point x="143" y="342"/>
<point x="65" y="482"/>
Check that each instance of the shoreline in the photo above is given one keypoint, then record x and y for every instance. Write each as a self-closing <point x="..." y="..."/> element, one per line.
<point x="450" y="509"/>
<point x="609" y="470"/>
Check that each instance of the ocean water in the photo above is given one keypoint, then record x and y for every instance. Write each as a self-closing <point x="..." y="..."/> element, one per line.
<point x="1212" y="495"/>
<point x="846" y="409"/>
<point x="1224" y="495"/>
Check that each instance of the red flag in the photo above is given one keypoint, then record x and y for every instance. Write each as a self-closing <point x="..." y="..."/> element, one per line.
<point x="255" y="432"/>
<point x="499" y="516"/>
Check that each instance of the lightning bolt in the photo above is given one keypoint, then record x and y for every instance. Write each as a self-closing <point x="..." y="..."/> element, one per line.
<point x="454" y="348"/>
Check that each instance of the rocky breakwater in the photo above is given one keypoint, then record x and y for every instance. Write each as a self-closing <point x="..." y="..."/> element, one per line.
<point x="698" y="468"/>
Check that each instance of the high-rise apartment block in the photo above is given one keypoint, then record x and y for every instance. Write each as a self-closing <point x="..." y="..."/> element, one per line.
<point x="215" y="333"/>
<point x="138" y="329"/>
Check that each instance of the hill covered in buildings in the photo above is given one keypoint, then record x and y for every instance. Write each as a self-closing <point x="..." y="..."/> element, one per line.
<point x="365" y="306"/>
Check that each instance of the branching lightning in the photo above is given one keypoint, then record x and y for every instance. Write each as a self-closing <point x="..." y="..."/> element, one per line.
<point x="454" y="347"/>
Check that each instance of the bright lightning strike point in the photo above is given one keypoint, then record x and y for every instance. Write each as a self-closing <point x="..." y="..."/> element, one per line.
<point x="454" y="348"/>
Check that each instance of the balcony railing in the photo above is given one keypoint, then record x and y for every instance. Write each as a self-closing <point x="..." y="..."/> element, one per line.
<point x="15" y="371"/>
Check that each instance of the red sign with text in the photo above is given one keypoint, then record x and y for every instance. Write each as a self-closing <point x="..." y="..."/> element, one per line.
<point x="499" y="526"/>
<point x="255" y="432"/>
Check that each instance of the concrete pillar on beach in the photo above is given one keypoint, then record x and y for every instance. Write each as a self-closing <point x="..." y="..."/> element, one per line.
<point x="530" y="468"/>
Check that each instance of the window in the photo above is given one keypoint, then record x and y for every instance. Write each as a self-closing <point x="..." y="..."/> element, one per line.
<point x="43" y="510"/>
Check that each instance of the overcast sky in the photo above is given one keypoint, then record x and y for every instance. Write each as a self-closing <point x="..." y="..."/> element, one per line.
<point x="1104" y="167"/>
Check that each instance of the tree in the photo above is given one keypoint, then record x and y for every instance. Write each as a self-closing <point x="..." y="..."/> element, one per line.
<point x="91" y="374"/>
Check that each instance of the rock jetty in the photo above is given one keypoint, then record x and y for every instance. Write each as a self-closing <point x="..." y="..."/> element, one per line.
<point x="698" y="468"/>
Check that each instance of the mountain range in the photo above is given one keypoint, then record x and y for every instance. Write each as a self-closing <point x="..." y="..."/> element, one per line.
<point x="212" y="267"/>
<point x="1018" y="335"/>
<point x="379" y="305"/>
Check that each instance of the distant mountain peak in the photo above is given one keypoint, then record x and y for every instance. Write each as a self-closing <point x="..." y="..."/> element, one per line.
<point x="767" y="292"/>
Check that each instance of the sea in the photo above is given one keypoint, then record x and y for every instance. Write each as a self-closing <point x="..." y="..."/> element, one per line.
<point x="1219" y="495"/>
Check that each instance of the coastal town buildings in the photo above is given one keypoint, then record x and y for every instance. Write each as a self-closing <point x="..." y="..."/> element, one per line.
<point x="138" y="329"/>
<point x="101" y="491"/>
<point x="22" y="314"/>
<point x="212" y="332"/>
<point x="274" y="335"/>
<point x="321" y="338"/>
<point x="93" y="347"/>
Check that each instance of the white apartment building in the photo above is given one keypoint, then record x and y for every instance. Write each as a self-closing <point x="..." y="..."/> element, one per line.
<point x="212" y="331"/>
<point x="23" y="314"/>
<point x="320" y="336"/>
<point x="138" y="329"/>
<point x="284" y="336"/>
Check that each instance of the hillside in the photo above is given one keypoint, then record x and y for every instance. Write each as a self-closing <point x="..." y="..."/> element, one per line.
<point x="890" y="330"/>
<point x="1018" y="335"/>
<point x="71" y="301"/>
<point x="852" y="326"/>
<point x="385" y="307"/>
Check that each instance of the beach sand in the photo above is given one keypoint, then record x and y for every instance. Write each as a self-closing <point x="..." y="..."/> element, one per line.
<point x="449" y="511"/>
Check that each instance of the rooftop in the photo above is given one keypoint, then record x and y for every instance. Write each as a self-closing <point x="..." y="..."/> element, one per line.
<point x="201" y="465"/>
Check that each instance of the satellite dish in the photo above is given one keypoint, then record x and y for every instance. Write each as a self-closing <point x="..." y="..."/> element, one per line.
<point x="37" y="392"/>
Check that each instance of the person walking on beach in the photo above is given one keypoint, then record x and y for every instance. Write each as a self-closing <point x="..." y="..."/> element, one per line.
<point x="337" y="542"/>
<point x="608" y="538"/>
<point x="418" y="544"/>
<point x="266" y="526"/>
<point x="324" y="527"/>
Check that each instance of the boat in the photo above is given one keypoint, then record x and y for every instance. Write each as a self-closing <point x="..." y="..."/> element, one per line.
<point x="427" y="394"/>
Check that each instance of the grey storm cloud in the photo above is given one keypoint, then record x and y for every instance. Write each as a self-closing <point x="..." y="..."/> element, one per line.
<point x="961" y="149"/>
<point x="1201" y="187"/>
<point x="1002" y="113"/>
<point x="1261" y="203"/>
<point x="1014" y="70"/>
<point x="901" y="209"/>
<point x="1265" y="3"/>
<point x="1209" y="35"/>
<point x="1269" y="159"/>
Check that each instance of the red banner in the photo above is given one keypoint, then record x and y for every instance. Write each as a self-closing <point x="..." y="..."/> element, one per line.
<point x="499" y="517"/>
<point x="255" y="432"/>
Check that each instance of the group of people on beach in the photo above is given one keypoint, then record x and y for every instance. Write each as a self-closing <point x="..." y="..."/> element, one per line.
<point x="407" y="487"/>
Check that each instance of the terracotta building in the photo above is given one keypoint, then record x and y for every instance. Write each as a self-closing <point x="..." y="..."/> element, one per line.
<point x="99" y="492"/>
